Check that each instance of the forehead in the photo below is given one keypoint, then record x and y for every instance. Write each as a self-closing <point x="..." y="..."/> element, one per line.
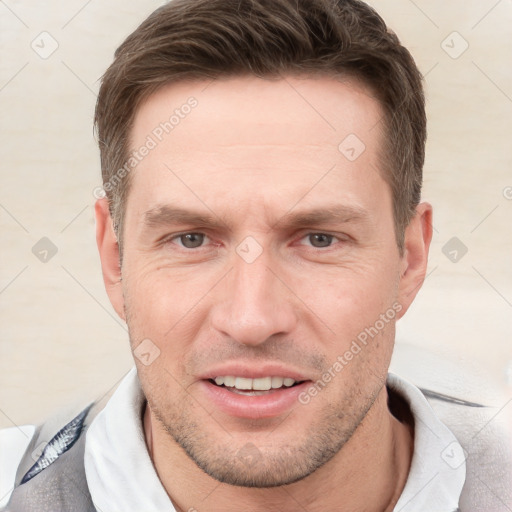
<point x="252" y="110"/>
<point x="246" y="139"/>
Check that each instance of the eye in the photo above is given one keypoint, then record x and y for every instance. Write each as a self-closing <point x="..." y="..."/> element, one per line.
<point x="319" y="239"/>
<point x="191" y="240"/>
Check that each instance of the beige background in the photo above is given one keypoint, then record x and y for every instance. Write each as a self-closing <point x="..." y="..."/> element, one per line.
<point x="60" y="341"/>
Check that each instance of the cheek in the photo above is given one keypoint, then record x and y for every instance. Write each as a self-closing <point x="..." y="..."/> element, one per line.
<point x="351" y="298"/>
<point x="359" y="315"/>
<point x="165" y="305"/>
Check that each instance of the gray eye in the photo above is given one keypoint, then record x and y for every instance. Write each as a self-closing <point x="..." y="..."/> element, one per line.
<point x="320" y="240"/>
<point x="192" y="240"/>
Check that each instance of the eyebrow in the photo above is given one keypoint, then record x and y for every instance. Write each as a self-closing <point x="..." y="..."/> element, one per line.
<point x="165" y="215"/>
<point x="336" y="214"/>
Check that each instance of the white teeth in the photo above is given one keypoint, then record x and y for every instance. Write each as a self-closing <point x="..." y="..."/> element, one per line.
<point x="229" y="381"/>
<point x="277" y="382"/>
<point x="243" y="383"/>
<point x="262" y="384"/>
<point x="259" y="384"/>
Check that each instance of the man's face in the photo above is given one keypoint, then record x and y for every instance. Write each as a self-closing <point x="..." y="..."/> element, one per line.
<point x="258" y="243"/>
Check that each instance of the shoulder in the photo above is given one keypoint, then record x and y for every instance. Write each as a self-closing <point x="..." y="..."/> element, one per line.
<point x="14" y="442"/>
<point x="478" y="413"/>
<point x="45" y="468"/>
<point x="485" y="434"/>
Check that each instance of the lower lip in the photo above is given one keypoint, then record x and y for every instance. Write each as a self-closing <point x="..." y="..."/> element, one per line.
<point x="253" y="407"/>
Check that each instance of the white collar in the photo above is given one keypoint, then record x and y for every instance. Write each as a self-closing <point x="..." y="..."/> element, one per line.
<point x="121" y="476"/>
<point x="438" y="467"/>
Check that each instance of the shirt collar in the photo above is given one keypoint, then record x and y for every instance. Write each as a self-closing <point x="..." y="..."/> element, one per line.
<point x="121" y="475"/>
<point x="438" y="467"/>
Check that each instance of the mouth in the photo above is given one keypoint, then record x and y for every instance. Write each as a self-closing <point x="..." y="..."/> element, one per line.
<point x="253" y="398"/>
<point x="254" y="387"/>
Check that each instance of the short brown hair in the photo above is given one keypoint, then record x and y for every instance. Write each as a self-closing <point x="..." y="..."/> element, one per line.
<point x="205" y="39"/>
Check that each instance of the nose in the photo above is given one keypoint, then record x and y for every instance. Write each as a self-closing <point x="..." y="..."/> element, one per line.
<point x="254" y="304"/>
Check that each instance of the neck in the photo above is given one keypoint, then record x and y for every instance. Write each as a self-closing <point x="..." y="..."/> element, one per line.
<point x="379" y="451"/>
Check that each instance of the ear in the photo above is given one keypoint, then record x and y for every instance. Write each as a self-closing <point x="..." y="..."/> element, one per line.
<point x="418" y="235"/>
<point x="109" y="255"/>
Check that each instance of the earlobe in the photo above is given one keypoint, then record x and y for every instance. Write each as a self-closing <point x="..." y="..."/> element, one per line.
<point x="109" y="255"/>
<point x="418" y="236"/>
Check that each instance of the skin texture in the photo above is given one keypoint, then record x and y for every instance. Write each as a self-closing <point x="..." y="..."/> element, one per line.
<point x="251" y="155"/>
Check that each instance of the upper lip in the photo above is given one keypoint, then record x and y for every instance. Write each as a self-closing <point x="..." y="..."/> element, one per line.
<point x="253" y="371"/>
